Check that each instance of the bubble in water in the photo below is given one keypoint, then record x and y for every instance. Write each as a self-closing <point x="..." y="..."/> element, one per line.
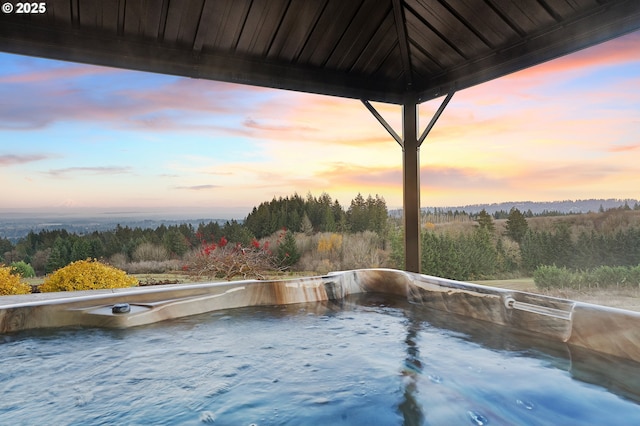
<point x="527" y="405"/>
<point x="435" y="378"/>
<point x="477" y="418"/>
<point x="207" y="417"/>
<point x="80" y="401"/>
<point x="83" y="397"/>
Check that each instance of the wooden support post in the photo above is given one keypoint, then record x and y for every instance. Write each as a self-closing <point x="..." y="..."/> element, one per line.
<point x="411" y="186"/>
<point x="410" y="143"/>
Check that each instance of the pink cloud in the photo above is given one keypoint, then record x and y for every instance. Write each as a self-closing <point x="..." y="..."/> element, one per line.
<point x="109" y="170"/>
<point x="277" y="128"/>
<point x="58" y="73"/>
<point x="184" y="94"/>
<point x="198" y="187"/>
<point x="621" y="50"/>
<point x="13" y="159"/>
<point x="528" y="84"/>
<point x="178" y="106"/>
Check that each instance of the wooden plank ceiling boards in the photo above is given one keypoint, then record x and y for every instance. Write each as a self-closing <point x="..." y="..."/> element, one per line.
<point x="380" y="50"/>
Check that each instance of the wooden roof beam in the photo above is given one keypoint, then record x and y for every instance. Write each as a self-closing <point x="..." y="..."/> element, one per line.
<point x="403" y="43"/>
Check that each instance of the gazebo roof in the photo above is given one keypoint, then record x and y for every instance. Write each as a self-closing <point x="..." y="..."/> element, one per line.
<point x="380" y="50"/>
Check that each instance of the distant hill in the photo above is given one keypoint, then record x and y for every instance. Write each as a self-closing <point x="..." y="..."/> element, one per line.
<point x="538" y="207"/>
<point x="15" y="228"/>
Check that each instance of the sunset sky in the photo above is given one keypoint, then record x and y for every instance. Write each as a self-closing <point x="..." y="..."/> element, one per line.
<point x="76" y="137"/>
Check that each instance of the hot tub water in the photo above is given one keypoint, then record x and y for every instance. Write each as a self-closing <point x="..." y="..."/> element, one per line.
<point x="371" y="359"/>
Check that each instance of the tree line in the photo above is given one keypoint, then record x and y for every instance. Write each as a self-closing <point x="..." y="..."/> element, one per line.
<point x="472" y="249"/>
<point x="588" y="250"/>
<point x="48" y="250"/>
<point x="484" y="252"/>
<point x="318" y="214"/>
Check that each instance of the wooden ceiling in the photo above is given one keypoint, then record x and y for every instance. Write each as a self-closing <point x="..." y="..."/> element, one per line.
<point x="380" y="50"/>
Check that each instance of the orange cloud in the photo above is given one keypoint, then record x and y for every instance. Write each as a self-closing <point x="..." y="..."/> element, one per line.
<point x="356" y="175"/>
<point x="564" y="174"/>
<point x="315" y="118"/>
<point x="624" y="148"/>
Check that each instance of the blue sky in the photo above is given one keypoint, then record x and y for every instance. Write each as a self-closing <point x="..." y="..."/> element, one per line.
<point x="83" y="138"/>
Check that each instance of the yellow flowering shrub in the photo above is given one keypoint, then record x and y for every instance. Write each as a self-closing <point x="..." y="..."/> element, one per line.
<point x="330" y="243"/>
<point x="10" y="282"/>
<point x="429" y="226"/>
<point x="87" y="275"/>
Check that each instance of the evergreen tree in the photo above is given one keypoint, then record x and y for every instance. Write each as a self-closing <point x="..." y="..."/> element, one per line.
<point x="339" y="217"/>
<point x="96" y="248"/>
<point x="111" y="242"/>
<point x="5" y="246"/>
<point x="328" y="221"/>
<point x="314" y="211"/>
<point x="357" y="216"/>
<point x="441" y="256"/>
<point x="536" y="249"/>
<point x="288" y="253"/>
<point x="485" y="221"/>
<point x="258" y="221"/>
<point x="397" y="246"/>
<point x="306" y="227"/>
<point x="59" y="257"/>
<point x="517" y="225"/>
<point x="235" y="232"/>
<point x="209" y="232"/>
<point x="562" y="247"/>
<point x="80" y="249"/>
<point x="479" y="254"/>
<point x="505" y="262"/>
<point x="294" y="220"/>
<point x="187" y="231"/>
<point x="174" y="242"/>
<point x="378" y="215"/>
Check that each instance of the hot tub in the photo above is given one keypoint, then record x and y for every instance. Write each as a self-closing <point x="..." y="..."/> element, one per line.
<point x="356" y="347"/>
